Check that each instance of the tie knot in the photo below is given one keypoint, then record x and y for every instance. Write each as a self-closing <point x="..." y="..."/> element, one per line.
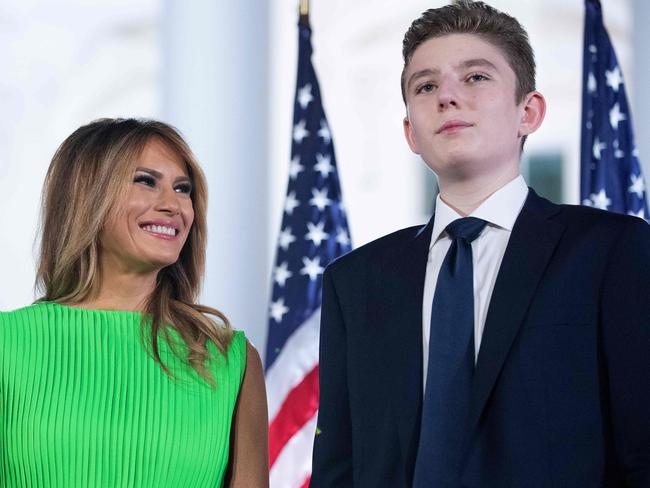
<point x="467" y="228"/>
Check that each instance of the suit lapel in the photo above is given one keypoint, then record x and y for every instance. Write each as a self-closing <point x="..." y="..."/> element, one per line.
<point x="399" y="309"/>
<point x="531" y="245"/>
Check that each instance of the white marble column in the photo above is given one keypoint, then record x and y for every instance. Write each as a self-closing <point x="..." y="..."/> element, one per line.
<point x="216" y="92"/>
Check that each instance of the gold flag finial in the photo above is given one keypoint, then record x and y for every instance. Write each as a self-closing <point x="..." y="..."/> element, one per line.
<point x="303" y="9"/>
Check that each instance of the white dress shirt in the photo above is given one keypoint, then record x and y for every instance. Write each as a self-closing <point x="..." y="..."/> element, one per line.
<point x="500" y="211"/>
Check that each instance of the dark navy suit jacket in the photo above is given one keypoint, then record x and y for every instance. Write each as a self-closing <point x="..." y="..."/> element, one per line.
<point x="561" y="393"/>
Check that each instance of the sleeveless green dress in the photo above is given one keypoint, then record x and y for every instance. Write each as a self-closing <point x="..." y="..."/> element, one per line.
<point x="82" y="404"/>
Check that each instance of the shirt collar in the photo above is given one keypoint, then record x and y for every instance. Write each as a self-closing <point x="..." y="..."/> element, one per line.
<point x="501" y="209"/>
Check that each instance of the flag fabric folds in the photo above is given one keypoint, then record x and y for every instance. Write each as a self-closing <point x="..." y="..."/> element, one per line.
<point x="611" y="176"/>
<point x="314" y="232"/>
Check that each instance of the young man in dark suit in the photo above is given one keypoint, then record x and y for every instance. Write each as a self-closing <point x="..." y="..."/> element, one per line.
<point x="507" y="342"/>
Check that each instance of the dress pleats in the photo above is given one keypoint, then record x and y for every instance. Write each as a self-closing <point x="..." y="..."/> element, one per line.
<point x="83" y="404"/>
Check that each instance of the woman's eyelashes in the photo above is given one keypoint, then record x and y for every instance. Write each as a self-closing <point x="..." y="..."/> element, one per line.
<point x="184" y="187"/>
<point x="145" y="179"/>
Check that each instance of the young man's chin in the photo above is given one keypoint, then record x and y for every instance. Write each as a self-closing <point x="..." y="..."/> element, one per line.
<point x="454" y="165"/>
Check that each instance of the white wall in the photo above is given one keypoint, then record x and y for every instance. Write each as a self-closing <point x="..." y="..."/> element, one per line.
<point x="62" y="64"/>
<point x="224" y="73"/>
<point x="358" y="59"/>
<point x="215" y="92"/>
<point x="639" y="81"/>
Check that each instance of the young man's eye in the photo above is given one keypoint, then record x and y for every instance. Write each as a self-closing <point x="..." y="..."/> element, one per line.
<point x="425" y="88"/>
<point x="183" y="188"/>
<point x="477" y="77"/>
<point x="144" y="179"/>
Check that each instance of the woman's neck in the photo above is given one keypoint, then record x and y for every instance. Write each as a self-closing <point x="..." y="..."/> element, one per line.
<point x="120" y="291"/>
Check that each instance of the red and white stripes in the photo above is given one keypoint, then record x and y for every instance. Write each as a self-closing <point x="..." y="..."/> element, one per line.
<point x="292" y="391"/>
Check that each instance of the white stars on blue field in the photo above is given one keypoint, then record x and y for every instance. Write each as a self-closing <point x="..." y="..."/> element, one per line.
<point x="608" y="154"/>
<point x="314" y="228"/>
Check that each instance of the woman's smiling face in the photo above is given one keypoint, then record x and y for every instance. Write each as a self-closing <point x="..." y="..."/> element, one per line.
<point x="147" y="230"/>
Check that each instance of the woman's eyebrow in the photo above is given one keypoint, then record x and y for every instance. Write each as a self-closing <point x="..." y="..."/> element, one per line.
<point x="152" y="172"/>
<point x="158" y="175"/>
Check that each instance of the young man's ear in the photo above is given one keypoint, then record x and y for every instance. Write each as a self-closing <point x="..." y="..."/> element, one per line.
<point x="533" y="111"/>
<point x="408" y="134"/>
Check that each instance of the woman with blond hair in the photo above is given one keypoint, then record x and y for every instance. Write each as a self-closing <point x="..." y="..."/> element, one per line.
<point x="116" y="376"/>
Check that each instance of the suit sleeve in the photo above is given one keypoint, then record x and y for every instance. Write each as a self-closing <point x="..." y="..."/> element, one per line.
<point x="332" y="463"/>
<point x="625" y="317"/>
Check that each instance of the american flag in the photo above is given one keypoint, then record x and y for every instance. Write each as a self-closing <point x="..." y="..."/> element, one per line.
<point x="314" y="232"/>
<point x="611" y="176"/>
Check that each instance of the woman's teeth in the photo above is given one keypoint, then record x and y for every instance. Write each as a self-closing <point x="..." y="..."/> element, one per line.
<point x="160" y="229"/>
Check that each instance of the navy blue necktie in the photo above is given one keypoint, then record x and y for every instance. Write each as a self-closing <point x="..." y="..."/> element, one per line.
<point x="451" y="362"/>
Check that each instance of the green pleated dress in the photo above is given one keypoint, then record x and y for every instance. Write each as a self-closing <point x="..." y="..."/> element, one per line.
<point x="82" y="404"/>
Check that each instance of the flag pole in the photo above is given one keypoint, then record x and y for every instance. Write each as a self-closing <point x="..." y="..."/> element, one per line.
<point x="303" y="9"/>
<point x="291" y="363"/>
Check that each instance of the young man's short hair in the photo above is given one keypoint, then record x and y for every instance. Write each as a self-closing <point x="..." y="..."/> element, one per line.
<point x="467" y="17"/>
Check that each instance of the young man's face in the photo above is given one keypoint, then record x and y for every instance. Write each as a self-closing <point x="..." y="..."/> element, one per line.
<point x="462" y="117"/>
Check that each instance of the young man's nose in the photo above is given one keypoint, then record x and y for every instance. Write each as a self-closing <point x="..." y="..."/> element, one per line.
<point x="447" y="95"/>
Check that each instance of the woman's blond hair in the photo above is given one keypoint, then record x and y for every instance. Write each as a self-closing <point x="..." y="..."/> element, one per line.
<point x="89" y="175"/>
